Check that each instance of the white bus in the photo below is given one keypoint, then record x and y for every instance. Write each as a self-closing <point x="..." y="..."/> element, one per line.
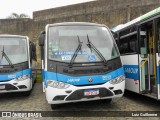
<point x="17" y="61"/>
<point x="80" y="62"/>
<point x="139" y="45"/>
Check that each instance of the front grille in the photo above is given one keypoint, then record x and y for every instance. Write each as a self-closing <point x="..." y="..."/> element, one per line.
<point x="8" y="70"/>
<point x="81" y="69"/>
<point x="91" y="84"/>
<point x="8" y="87"/>
<point x="88" y="71"/>
<point x="79" y="94"/>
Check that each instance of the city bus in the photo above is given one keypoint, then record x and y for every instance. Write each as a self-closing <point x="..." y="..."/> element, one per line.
<point x="139" y="45"/>
<point x="17" y="61"/>
<point x="80" y="62"/>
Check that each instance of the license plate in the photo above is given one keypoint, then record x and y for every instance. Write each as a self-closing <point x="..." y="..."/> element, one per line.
<point x="2" y="87"/>
<point x="91" y="92"/>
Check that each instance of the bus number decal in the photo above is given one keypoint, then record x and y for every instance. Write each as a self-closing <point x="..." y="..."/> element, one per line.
<point x="66" y="57"/>
<point x="11" y="76"/>
<point x="73" y="80"/>
<point x="108" y="77"/>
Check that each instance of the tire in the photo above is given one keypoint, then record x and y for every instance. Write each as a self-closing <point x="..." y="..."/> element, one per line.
<point x="54" y="106"/>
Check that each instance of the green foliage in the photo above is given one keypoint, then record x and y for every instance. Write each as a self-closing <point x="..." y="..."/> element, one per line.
<point x="39" y="78"/>
<point x="17" y="16"/>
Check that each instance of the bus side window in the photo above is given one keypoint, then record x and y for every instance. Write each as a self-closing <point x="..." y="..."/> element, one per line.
<point x="158" y="33"/>
<point x="128" y="45"/>
<point x="132" y="48"/>
<point x="123" y="46"/>
<point x="143" y="46"/>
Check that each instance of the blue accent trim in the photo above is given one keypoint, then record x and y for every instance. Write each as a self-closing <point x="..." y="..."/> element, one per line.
<point x="131" y="71"/>
<point x="83" y="80"/>
<point x="15" y="75"/>
<point x="158" y="74"/>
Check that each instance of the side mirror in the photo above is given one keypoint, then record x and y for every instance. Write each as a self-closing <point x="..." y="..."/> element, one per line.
<point x="34" y="52"/>
<point x="33" y="48"/>
<point x="41" y="38"/>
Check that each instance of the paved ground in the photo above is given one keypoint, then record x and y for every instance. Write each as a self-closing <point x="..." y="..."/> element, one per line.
<point x="37" y="102"/>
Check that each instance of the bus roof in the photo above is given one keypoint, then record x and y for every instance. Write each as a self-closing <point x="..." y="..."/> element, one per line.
<point x="76" y="23"/>
<point x="9" y="35"/>
<point x="141" y="18"/>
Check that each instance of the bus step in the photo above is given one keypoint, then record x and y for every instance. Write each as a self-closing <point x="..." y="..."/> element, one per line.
<point x="144" y="92"/>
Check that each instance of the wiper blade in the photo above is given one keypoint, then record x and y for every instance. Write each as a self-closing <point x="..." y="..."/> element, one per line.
<point x="91" y="46"/>
<point x="2" y="56"/>
<point x="7" y="58"/>
<point x="79" y="47"/>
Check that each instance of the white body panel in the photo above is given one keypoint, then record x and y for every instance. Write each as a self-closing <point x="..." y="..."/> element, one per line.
<point x="130" y="59"/>
<point x="158" y="91"/>
<point x="130" y="83"/>
<point x="158" y="64"/>
<point x="131" y="86"/>
<point x="27" y="83"/>
<point x="52" y="92"/>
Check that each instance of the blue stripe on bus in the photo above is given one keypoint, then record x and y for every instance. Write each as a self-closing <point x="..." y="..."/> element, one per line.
<point x="14" y="75"/>
<point x="158" y="74"/>
<point x="83" y="80"/>
<point x="131" y="71"/>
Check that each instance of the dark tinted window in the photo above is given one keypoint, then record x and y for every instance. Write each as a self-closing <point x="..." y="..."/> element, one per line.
<point x="128" y="45"/>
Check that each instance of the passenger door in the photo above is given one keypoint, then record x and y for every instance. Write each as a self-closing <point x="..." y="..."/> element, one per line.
<point x="157" y="38"/>
<point x="148" y="59"/>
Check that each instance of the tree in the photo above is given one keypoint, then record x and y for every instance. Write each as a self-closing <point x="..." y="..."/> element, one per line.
<point x="16" y="16"/>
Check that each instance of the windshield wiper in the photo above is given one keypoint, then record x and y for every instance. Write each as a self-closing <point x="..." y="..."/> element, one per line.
<point x="91" y="46"/>
<point x="79" y="47"/>
<point x="7" y="58"/>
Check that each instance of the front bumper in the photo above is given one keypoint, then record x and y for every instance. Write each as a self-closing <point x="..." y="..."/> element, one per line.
<point x="15" y="86"/>
<point x="76" y="94"/>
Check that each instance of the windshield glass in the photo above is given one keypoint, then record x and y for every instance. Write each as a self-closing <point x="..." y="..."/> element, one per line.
<point x="63" y="42"/>
<point x="14" y="48"/>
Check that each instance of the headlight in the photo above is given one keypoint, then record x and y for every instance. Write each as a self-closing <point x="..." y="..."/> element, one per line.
<point x="57" y="84"/>
<point x="117" y="80"/>
<point x="24" y="77"/>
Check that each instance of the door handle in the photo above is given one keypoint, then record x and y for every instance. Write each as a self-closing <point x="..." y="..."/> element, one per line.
<point x="146" y="59"/>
